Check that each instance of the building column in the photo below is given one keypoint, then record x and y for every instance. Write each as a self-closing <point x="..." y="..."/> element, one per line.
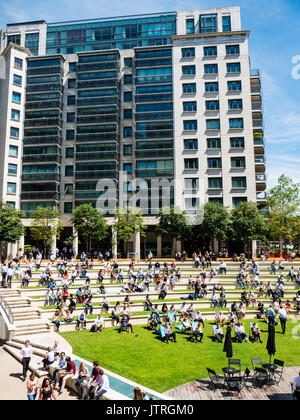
<point x="114" y="244"/>
<point x="178" y="247"/>
<point x="53" y="245"/>
<point x="14" y="249"/>
<point x="21" y="244"/>
<point x="158" y="246"/>
<point x="215" y="246"/>
<point x="137" y="245"/>
<point x="75" y="243"/>
<point x="254" y="246"/>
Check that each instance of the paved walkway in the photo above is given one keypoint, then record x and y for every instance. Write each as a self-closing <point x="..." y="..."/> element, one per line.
<point x="11" y="384"/>
<point x="200" y="390"/>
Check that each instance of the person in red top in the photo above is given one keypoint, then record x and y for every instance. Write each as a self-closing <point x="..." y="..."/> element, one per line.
<point x="63" y="375"/>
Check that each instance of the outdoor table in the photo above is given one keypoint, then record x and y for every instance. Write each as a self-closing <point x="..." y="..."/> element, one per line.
<point x="230" y="371"/>
<point x="271" y="368"/>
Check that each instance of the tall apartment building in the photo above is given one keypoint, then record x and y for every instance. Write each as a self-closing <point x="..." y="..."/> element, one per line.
<point x="164" y="98"/>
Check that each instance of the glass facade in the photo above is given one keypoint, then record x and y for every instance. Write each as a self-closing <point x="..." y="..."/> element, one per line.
<point x="118" y="33"/>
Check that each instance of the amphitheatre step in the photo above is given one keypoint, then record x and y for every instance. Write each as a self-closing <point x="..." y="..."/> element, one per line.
<point x="34" y="363"/>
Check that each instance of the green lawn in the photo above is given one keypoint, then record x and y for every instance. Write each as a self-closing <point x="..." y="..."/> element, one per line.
<point x="143" y="358"/>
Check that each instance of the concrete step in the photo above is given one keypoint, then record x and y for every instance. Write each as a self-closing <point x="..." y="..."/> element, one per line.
<point x="34" y="363"/>
<point x="32" y="331"/>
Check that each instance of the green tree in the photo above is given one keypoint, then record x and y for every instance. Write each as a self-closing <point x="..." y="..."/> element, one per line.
<point x="215" y="223"/>
<point x="173" y="223"/>
<point x="284" y="211"/>
<point x="127" y="222"/>
<point x="45" y="225"/>
<point x="89" y="224"/>
<point x="11" y="226"/>
<point x="247" y="224"/>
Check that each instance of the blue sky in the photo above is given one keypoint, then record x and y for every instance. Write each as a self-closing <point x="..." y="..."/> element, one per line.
<point x="274" y="41"/>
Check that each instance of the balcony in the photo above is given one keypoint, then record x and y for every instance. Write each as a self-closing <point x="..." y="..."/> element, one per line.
<point x="107" y="155"/>
<point x="259" y="163"/>
<point x="261" y="183"/>
<point x="49" y="157"/>
<point x="97" y="119"/>
<point x="257" y="123"/>
<point x="45" y="88"/>
<point x="43" y="122"/>
<point x="153" y="172"/>
<point x="87" y="194"/>
<point x="261" y="196"/>
<point x="112" y="82"/>
<point x="98" y="174"/>
<point x="255" y="89"/>
<point x="42" y="140"/>
<point x="154" y="153"/>
<point x="256" y="106"/>
<point x="41" y="176"/>
<point x="254" y="73"/>
<point x="45" y="195"/>
<point x="45" y="70"/>
<point x="44" y="105"/>
<point x="97" y="137"/>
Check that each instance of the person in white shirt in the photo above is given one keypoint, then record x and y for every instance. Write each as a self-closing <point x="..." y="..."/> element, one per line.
<point x="283" y="317"/>
<point x="240" y="332"/>
<point x="26" y="355"/>
<point x="49" y="358"/>
<point x="296" y="387"/>
<point x="10" y="275"/>
<point x="219" y="333"/>
<point x="102" y="386"/>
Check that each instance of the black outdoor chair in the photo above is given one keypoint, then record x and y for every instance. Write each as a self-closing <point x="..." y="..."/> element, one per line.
<point x="216" y="381"/>
<point x="278" y="372"/>
<point x="236" y="363"/>
<point x="260" y="374"/>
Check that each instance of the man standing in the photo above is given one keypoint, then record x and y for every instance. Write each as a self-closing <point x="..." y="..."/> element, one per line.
<point x="283" y="316"/>
<point x="26" y="355"/>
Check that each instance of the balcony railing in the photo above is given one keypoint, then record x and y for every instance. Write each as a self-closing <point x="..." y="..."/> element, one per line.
<point x="97" y="119"/>
<point x="42" y="140"/>
<point x="97" y="137"/>
<point x="254" y="72"/>
<point x="261" y="196"/>
<point x="41" y="176"/>
<point x="257" y="123"/>
<point x="96" y="174"/>
<point x="43" y="122"/>
<point x="51" y="157"/>
<point x="260" y="178"/>
<point x="255" y="89"/>
<point x="259" y="141"/>
<point x="154" y="153"/>
<point x="259" y="159"/>
<point x="107" y="155"/>
<point x="50" y="195"/>
<point x="44" y="105"/>
<point x="256" y="106"/>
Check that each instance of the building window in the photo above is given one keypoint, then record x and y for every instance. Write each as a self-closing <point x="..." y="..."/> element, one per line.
<point x="127" y="79"/>
<point x="237" y="142"/>
<point x="210" y="51"/>
<point x="15" y="115"/>
<point x="18" y="63"/>
<point x="190" y="144"/>
<point x="17" y="80"/>
<point x="214" y="163"/>
<point x="69" y="152"/>
<point x="190" y="125"/>
<point x="216" y="200"/>
<point x="127" y="149"/>
<point x="239" y="182"/>
<point x="191" y="183"/>
<point x="215" y="183"/>
<point x="211" y="68"/>
<point x="14" y="132"/>
<point x="71" y="100"/>
<point x="11" y="188"/>
<point x="189" y="88"/>
<point x="212" y="124"/>
<point x="70" y="135"/>
<point x="208" y="23"/>
<point x="15" y="39"/>
<point x="70" y="117"/>
<point x="190" y="26"/>
<point x="16" y="97"/>
<point x="189" y="106"/>
<point x="128" y="62"/>
<point x="127" y="96"/>
<point x="187" y="52"/>
<point x="69" y="171"/>
<point x="68" y="207"/>
<point x="236" y="123"/>
<point x="13" y="151"/>
<point x="238" y="162"/>
<point x="213" y="143"/>
<point x="191" y="203"/>
<point x="237" y="200"/>
<point x="12" y="169"/>
<point x="226" y="21"/>
<point x="127" y="167"/>
<point x="72" y="83"/>
<point x="188" y="70"/>
<point x="127" y="114"/>
<point x="233" y="67"/>
<point x="212" y="105"/>
<point x="68" y="189"/>
<point x="11" y="204"/>
<point x="72" y="66"/>
<point x="235" y="104"/>
<point x="234" y="86"/>
<point x="127" y="132"/>
<point x="212" y="87"/>
<point x="32" y="42"/>
<point x="232" y="49"/>
<point x="191" y="164"/>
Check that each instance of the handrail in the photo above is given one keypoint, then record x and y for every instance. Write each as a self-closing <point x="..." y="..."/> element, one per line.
<point x="7" y="310"/>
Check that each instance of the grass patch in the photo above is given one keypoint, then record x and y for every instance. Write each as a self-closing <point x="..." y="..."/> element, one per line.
<point x="143" y="358"/>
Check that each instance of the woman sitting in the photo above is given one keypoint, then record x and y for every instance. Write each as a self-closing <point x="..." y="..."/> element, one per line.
<point x="98" y="325"/>
<point x="152" y="321"/>
<point x="68" y="318"/>
<point x="256" y="333"/>
<point x="198" y="333"/>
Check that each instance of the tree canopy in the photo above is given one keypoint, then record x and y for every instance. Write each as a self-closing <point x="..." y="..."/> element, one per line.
<point x="11" y="227"/>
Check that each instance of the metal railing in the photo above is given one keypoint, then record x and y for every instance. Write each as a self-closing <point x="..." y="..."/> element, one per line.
<point x="7" y="310"/>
